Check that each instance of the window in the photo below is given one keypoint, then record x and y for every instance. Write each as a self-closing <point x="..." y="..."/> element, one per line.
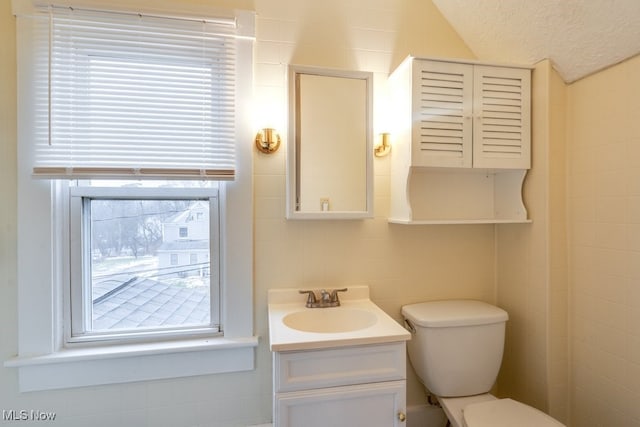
<point x="147" y="97"/>
<point x="129" y="279"/>
<point x="83" y="137"/>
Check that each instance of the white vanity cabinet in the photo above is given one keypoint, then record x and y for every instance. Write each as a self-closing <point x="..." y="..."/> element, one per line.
<point x="361" y="385"/>
<point x="461" y="141"/>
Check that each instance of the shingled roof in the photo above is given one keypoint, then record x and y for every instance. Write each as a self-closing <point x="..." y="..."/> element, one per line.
<point x="150" y="303"/>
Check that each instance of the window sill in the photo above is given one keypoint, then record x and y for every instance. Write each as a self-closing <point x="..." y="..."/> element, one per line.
<point x="134" y="362"/>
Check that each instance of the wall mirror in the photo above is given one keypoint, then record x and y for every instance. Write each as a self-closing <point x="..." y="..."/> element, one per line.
<point x="330" y="153"/>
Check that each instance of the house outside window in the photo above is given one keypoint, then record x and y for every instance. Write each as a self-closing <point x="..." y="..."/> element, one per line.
<point x="141" y="278"/>
<point x="132" y="285"/>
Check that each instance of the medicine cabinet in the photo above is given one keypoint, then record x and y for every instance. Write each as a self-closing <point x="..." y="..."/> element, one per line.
<point x="330" y="154"/>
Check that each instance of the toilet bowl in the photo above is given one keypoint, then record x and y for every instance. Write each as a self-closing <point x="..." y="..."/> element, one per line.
<point x="456" y="350"/>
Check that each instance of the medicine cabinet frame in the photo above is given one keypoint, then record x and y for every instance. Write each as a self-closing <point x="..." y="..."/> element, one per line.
<point x="298" y="120"/>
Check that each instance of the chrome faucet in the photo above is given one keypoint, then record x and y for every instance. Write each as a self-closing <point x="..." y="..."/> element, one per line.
<point x="326" y="299"/>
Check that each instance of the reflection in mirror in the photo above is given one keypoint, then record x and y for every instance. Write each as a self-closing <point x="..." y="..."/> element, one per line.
<point x="330" y="148"/>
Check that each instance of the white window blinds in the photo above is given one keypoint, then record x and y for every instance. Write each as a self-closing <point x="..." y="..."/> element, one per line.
<point x="138" y="96"/>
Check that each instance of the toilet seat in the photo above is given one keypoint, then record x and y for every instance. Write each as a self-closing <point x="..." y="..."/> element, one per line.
<point x="505" y="413"/>
<point x="453" y="406"/>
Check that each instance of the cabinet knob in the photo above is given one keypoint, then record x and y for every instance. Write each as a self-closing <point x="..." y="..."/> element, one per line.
<point x="402" y="417"/>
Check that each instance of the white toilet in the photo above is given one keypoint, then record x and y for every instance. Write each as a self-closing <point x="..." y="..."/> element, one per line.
<point x="456" y="350"/>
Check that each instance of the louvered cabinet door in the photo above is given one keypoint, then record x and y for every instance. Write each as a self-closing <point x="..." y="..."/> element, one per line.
<point x="502" y="124"/>
<point x="442" y="111"/>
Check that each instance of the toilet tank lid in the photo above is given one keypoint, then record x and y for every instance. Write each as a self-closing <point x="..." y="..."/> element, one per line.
<point x="448" y="313"/>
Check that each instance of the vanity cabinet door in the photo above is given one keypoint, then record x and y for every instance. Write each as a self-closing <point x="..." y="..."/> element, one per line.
<point x="372" y="405"/>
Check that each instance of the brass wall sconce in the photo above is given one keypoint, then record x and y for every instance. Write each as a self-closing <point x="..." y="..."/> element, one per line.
<point x="384" y="147"/>
<point x="268" y="140"/>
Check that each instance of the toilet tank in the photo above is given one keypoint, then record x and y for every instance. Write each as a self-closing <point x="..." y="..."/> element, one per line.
<point x="457" y="345"/>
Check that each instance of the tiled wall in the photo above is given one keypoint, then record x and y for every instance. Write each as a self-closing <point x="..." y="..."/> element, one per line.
<point x="557" y="295"/>
<point x="604" y="196"/>
<point x="401" y="264"/>
<point x="531" y="263"/>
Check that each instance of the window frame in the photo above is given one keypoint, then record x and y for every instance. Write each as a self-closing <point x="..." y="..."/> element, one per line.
<point x="43" y="362"/>
<point x="77" y="296"/>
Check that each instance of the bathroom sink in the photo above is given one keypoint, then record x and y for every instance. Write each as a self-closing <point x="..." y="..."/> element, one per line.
<point x="357" y="321"/>
<point x="330" y="320"/>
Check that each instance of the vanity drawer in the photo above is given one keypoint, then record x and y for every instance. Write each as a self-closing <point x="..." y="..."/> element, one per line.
<point x="301" y="370"/>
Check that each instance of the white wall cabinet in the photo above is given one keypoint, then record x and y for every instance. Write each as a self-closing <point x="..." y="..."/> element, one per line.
<point x="465" y="128"/>
<point x="350" y="386"/>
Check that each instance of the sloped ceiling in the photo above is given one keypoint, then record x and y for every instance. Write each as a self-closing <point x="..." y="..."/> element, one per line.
<point x="580" y="37"/>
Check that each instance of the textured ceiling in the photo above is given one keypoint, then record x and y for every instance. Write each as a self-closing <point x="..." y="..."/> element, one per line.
<point x="580" y="37"/>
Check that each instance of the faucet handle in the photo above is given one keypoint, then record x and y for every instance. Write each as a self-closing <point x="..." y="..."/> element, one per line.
<point x="334" y="294"/>
<point x="311" y="299"/>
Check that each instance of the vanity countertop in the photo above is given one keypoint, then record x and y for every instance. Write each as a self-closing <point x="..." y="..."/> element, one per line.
<point x="377" y="327"/>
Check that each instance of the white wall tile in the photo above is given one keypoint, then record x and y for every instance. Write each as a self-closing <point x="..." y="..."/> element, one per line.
<point x="605" y="277"/>
<point x="401" y="264"/>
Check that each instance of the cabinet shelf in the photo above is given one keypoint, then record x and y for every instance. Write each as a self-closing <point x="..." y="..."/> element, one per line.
<point x="459" y="196"/>
<point x="461" y="221"/>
